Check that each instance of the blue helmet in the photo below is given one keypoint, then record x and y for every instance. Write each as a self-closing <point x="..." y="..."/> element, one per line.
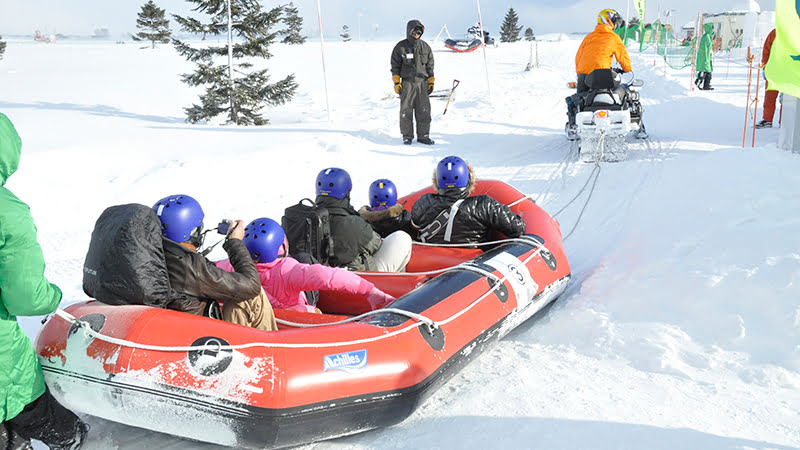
<point x="334" y="182"/>
<point x="452" y="172"/>
<point x="382" y="193"/>
<point x="263" y="237"/>
<point x="181" y="217"/>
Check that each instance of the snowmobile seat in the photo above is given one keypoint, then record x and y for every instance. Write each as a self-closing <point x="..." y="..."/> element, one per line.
<point x="602" y="79"/>
<point x="603" y="99"/>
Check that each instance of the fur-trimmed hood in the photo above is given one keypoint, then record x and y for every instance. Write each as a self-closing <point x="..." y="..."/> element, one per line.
<point x="380" y="214"/>
<point x="445" y="191"/>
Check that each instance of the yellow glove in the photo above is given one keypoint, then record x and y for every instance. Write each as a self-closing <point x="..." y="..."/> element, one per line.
<point x="430" y="85"/>
<point x="398" y="86"/>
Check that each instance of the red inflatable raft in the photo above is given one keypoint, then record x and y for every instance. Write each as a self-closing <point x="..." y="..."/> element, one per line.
<point x="213" y="381"/>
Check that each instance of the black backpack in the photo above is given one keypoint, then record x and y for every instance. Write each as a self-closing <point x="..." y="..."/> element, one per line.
<point x="125" y="263"/>
<point x="308" y="230"/>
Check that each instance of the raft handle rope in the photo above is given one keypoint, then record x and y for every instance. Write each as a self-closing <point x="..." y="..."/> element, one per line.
<point x="86" y="327"/>
<point x="422" y="320"/>
<point x="527" y="240"/>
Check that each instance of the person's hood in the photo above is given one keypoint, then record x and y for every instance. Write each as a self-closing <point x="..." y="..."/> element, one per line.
<point x="601" y="27"/>
<point x="709" y="28"/>
<point x="413" y="24"/>
<point x="376" y="215"/>
<point x="10" y="149"/>
<point x="326" y="201"/>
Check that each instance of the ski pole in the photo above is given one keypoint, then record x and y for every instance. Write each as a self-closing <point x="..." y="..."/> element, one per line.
<point x="455" y="84"/>
<point x="755" y="101"/>
<point x="747" y="110"/>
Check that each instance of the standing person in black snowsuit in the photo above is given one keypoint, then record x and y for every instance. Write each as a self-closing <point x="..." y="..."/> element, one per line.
<point x="451" y="216"/>
<point x="412" y="74"/>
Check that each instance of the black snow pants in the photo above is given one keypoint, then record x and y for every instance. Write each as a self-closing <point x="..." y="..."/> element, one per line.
<point x="703" y="80"/>
<point x="415" y="104"/>
<point x="46" y="420"/>
<point x="574" y="99"/>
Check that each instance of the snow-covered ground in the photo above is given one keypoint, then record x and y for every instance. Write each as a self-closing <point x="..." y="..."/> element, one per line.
<point x="681" y="328"/>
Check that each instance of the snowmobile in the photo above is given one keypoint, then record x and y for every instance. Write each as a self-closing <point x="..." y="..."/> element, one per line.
<point x="606" y="113"/>
<point x="471" y="41"/>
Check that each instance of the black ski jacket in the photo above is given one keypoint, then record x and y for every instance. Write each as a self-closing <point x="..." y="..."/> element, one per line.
<point x="412" y="59"/>
<point x="476" y="219"/>
<point x="195" y="280"/>
<point x="354" y="240"/>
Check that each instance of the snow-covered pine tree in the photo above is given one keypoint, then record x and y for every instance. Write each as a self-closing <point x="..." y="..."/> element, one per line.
<point x="235" y="90"/>
<point x="509" y="31"/>
<point x="345" y="33"/>
<point x="153" y="24"/>
<point x="294" y="23"/>
<point x="2" y="47"/>
<point x="529" y="36"/>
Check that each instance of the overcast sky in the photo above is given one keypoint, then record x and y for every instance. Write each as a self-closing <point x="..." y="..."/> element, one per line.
<point x="378" y="18"/>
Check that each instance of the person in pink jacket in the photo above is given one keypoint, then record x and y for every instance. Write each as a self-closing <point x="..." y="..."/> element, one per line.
<point x="285" y="279"/>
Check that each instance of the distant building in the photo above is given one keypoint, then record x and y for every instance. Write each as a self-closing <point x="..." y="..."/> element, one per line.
<point x="744" y="25"/>
<point x="101" y="33"/>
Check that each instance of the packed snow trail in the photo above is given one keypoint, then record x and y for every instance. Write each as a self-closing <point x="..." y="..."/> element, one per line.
<point x="680" y="327"/>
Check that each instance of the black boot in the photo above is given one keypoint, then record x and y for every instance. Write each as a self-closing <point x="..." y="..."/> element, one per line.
<point x="407" y="141"/>
<point x="425" y="140"/>
<point x="707" y="82"/>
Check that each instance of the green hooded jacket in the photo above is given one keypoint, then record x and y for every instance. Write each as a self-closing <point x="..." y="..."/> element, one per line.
<point x="704" y="49"/>
<point x="24" y="291"/>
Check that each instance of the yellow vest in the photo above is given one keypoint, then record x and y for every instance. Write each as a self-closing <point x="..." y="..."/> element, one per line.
<point x="783" y="67"/>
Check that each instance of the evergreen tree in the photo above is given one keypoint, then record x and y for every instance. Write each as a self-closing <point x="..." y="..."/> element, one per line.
<point x="509" y="31"/>
<point x="292" y="19"/>
<point x="153" y="24"/>
<point x="345" y="33"/>
<point x="529" y="34"/>
<point x="2" y="47"/>
<point x="237" y="91"/>
<point x="633" y="22"/>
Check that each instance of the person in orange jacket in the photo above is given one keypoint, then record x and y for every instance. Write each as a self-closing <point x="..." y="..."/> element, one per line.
<point x="596" y="52"/>
<point x="599" y="46"/>
<point x="771" y="94"/>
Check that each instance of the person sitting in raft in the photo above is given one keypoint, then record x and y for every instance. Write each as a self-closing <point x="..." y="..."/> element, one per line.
<point x="356" y="246"/>
<point x="197" y="282"/>
<point x="451" y="216"/>
<point x="383" y="212"/>
<point x="284" y="279"/>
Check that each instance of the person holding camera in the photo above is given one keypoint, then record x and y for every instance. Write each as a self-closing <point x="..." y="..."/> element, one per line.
<point x="197" y="282"/>
<point x="412" y="74"/>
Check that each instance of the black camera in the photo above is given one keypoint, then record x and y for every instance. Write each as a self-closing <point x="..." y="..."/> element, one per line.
<point x="224" y="226"/>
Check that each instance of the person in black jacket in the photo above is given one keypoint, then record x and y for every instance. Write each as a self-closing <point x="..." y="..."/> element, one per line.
<point x="198" y="283"/>
<point x="412" y="74"/>
<point x="451" y="216"/>
<point x="383" y="212"/>
<point x="356" y="246"/>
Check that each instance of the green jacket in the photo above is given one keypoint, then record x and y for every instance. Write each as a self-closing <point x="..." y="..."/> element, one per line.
<point x="24" y="291"/>
<point x="704" y="49"/>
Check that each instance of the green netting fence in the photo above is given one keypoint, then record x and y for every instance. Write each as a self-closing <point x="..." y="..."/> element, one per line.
<point x="677" y="53"/>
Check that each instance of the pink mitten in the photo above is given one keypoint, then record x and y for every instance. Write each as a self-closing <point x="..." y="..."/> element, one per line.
<point x="379" y="299"/>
